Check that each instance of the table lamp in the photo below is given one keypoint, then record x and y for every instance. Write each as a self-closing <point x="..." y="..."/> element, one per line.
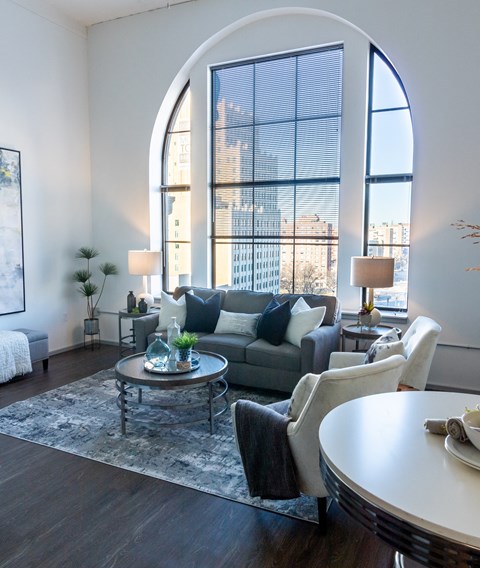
<point x="145" y="263"/>
<point x="372" y="272"/>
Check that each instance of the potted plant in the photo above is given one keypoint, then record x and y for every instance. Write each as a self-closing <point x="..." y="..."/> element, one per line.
<point x="184" y="344"/>
<point x="88" y="288"/>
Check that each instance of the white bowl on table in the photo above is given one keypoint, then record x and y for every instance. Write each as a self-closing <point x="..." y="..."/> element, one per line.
<point x="471" y="423"/>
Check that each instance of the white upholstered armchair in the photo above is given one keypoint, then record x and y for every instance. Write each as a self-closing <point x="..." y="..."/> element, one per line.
<point x="312" y="399"/>
<point x="419" y="343"/>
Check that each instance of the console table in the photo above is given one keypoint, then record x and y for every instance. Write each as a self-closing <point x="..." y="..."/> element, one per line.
<point x="398" y="480"/>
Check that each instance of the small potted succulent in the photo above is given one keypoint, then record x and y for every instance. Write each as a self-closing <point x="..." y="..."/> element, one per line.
<point x="365" y="314"/>
<point x="184" y="344"/>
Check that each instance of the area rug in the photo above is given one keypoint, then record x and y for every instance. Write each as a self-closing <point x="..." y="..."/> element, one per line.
<point x="82" y="418"/>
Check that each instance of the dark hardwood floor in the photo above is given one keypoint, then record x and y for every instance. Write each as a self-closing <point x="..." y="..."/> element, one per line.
<point x="61" y="510"/>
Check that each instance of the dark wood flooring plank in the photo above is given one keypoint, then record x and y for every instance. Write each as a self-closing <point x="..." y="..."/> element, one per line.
<point x="59" y="510"/>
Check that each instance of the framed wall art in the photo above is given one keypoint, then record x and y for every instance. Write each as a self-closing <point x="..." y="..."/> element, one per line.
<point x="12" y="283"/>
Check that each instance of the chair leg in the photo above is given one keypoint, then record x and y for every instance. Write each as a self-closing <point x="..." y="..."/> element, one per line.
<point x="322" y="514"/>
<point x="45" y="364"/>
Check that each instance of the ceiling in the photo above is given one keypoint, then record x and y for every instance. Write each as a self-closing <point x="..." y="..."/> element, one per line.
<point x="89" y="12"/>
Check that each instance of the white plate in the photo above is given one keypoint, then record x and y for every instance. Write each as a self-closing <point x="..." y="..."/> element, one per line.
<point x="465" y="452"/>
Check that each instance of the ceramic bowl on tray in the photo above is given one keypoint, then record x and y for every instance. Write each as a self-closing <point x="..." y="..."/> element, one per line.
<point x="471" y="423"/>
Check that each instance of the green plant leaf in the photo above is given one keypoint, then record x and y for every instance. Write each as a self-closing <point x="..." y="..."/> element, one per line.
<point x="108" y="269"/>
<point x="87" y="253"/>
<point x="88" y="289"/>
<point x="81" y="275"/>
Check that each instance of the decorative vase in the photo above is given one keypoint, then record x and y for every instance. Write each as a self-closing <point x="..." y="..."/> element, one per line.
<point x="91" y="326"/>
<point x="184" y="359"/>
<point x="375" y="318"/>
<point x="364" y="320"/>
<point x="158" y="352"/>
<point x="173" y="331"/>
<point x="131" y="302"/>
<point x="142" y="306"/>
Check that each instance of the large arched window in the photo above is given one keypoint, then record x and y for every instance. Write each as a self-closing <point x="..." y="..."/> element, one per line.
<point x="175" y="189"/>
<point x="389" y="177"/>
<point x="276" y="126"/>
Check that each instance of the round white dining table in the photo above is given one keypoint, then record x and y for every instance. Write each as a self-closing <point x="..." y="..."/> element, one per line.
<point x="418" y="491"/>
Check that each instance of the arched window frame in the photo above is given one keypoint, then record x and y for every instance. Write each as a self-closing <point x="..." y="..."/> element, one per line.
<point x="396" y="299"/>
<point x="176" y="244"/>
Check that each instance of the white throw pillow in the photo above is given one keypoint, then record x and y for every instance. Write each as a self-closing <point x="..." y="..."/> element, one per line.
<point x="385" y="346"/>
<point x="171" y="308"/>
<point x="301" y="394"/>
<point x="304" y="319"/>
<point x="241" y="324"/>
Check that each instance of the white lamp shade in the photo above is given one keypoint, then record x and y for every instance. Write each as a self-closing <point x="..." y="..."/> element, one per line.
<point x="144" y="262"/>
<point x="372" y="271"/>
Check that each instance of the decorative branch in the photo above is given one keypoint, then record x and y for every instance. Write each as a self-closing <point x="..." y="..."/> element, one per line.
<point x="461" y="225"/>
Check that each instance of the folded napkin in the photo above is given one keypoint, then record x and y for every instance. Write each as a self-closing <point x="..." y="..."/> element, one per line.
<point x="452" y="426"/>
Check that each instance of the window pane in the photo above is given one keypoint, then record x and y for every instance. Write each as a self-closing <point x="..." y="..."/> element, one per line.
<point x="275" y="151"/>
<point x="387" y="93"/>
<point x="234" y="264"/>
<point x="234" y="155"/>
<point x="274" y="210"/>
<point x="266" y="267"/>
<point x="317" y="210"/>
<point x="319" y="84"/>
<point x="178" y="159"/>
<point x="178" y="264"/>
<point x="389" y="204"/>
<point x="275" y="90"/>
<point x="177" y="216"/>
<point x="233" y="211"/>
<point x="318" y="148"/>
<point x="396" y="296"/>
<point x="391" y="143"/>
<point x="233" y="96"/>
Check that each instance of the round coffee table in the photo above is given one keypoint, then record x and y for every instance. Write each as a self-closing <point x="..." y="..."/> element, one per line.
<point x="132" y="379"/>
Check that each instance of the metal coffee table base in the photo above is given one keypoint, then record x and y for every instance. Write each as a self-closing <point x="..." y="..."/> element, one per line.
<point x="130" y="401"/>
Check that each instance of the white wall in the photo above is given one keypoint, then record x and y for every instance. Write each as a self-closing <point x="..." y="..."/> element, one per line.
<point x="44" y="115"/>
<point x="433" y="45"/>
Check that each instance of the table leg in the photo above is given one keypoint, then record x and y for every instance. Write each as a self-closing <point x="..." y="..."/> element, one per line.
<point x="123" y="410"/>
<point x="210" y="407"/>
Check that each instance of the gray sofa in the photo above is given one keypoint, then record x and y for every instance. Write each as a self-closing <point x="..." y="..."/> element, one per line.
<point x="256" y="362"/>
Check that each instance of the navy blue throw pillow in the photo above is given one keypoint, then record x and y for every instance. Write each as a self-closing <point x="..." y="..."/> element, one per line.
<point x="274" y="322"/>
<point x="202" y="315"/>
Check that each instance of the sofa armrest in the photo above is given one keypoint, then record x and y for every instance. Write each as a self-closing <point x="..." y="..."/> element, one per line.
<point x="340" y="359"/>
<point x="316" y="347"/>
<point x="143" y="327"/>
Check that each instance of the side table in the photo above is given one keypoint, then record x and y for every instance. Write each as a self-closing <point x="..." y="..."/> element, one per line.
<point x="358" y="332"/>
<point x="127" y="343"/>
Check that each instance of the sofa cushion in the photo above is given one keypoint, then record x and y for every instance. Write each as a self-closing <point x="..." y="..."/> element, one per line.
<point x="171" y="308"/>
<point x="246" y="301"/>
<point x="202" y="315"/>
<point x="385" y="346"/>
<point x="274" y="321"/>
<point x="230" y="345"/>
<point x="241" y="324"/>
<point x="303" y="320"/>
<point x="282" y="357"/>
<point x="331" y="303"/>
<point x="203" y="293"/>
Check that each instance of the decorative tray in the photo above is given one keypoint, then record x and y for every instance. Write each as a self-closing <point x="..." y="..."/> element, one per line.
<point x="171" y="369"/>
